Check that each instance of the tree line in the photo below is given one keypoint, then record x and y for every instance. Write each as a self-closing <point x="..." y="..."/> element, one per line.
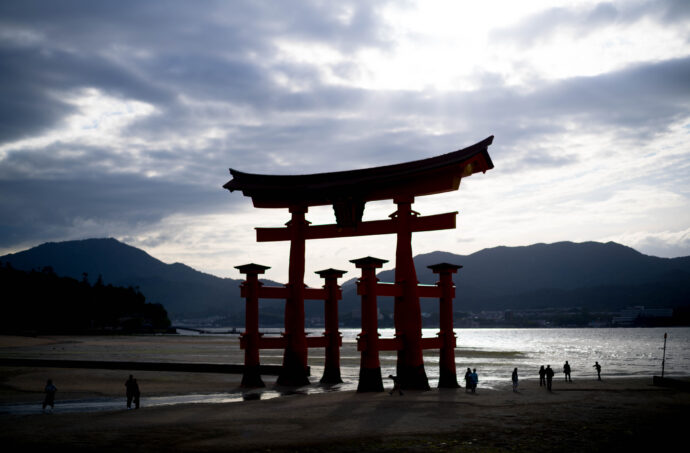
<point x="40" y="301"/>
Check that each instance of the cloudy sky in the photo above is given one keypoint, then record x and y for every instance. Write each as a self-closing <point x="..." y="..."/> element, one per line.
<point x="121" y="119"/>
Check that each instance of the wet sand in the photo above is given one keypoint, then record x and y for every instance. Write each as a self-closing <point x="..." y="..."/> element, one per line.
<point x="586" y="415"/>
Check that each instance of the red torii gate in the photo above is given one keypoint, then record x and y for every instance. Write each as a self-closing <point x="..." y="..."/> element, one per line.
<point x="347" y="192"/>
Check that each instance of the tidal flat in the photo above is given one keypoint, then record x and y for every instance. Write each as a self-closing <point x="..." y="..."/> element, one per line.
<point x="586" y="415"/>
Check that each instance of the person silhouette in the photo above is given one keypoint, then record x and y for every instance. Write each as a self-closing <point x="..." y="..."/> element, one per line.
<point x="49" y="399"/>
<point x="132" y="392"/>
<point x="566" y="371"/>
<point x="396" y="385"/>
<point x="514" y="378"/>
<point x="474" y="379"/>
<point x="598" y="368"/>
<point x="549" y="377"/>
<point x="542" y="376"/>
<point x="468" y="380"/>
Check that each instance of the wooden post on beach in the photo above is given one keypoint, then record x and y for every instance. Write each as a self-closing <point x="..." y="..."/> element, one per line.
<point x="367" y="341"/>
<point x="447" y="376"/>
<point x="663" y="360"/>
<point x="250" y="338"/>
<point x="331" y="371"/>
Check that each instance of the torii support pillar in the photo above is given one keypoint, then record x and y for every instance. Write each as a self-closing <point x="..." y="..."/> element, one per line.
<point x="408" y="315"/>
<point x="331" y="371"/>
<point x="295" y="371"/>
<point x="447" y="375"/>
<point x="367" y="341"/>
<point x="251" y="336"/>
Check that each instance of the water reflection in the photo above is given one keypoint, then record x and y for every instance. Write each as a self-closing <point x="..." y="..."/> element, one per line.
<point x="118" y="403"/>
<point x="250" y="396"/>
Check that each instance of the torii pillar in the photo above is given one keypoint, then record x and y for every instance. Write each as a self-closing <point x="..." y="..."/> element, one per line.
<point x="408" y="316"/>
<point x="331" y="371"/>
<point x="370" y="366"/>
<point x="251" y="377"/>
<point x="295" y="371"/>
<point x="447" y="374"/>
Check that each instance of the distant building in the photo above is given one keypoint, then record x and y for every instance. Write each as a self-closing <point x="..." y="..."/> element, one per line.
<point x="494" y="315"/>
<point x="632" y="315"/>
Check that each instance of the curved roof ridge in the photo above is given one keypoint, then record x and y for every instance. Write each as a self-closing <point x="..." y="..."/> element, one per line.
<point x="367" y="184"/>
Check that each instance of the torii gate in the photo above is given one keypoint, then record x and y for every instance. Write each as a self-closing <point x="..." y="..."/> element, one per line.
<point x="347" y="192"/>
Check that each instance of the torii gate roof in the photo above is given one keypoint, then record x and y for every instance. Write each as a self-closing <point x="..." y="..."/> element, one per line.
<point x="421" y="177"/>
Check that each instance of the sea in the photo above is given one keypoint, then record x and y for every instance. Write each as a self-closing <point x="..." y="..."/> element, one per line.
<point x="621" y="352"/>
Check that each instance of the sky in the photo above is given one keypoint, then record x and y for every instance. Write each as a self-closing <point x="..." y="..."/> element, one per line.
<point x="121" y="119"/>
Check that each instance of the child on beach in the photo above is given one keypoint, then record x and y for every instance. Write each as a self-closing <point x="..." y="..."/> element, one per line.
<point x="396" y="385"/>
<point x="474" y="379"/>
<point x="598" y="368"/>
<point x="514" y="378"/>
<point x="542" y="376"/>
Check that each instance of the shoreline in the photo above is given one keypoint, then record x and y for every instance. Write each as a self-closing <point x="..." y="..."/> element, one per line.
<point x="586" y="415"/>
<point x="620" y="410"/>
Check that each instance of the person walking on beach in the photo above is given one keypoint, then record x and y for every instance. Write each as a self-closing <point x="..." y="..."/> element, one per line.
<point x="598" y="368"/>
<point x="468" y="380"/>
<point x="542" y="376"/>
<point x="514" y="378"/>
<point x="396" y="385"/>
<point x="566" y="371"/>
<point x="132" y="392"/>
<point x="49" y="399"/>
<point x="549" y="377"/>
<point x="475" y="379"/>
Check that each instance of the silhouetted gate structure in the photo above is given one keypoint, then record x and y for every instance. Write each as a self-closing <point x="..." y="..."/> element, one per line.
<point x="348" y="192"/>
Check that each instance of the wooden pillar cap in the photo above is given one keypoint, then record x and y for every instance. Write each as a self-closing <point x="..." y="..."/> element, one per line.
<point x="330" y="272"/>
<point x="444" y="267"/>
<point x="368" y="261"/>
<point x="252" y="268"/>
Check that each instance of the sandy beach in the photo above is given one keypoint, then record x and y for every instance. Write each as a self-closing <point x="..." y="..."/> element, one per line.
<point x="586" y="415"/>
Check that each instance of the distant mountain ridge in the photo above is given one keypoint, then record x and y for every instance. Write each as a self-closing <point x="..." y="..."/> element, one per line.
<point x="564" y="274"/>
<point x="589" y="274"/>
<point x="182" y="290"/>
<point x="562" y="265"/>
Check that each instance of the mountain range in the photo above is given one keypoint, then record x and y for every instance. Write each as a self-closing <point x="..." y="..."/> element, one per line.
<point x="183" y="291"/>
<point x="591" y="275"/>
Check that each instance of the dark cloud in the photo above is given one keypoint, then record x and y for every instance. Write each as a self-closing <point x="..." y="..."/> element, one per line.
<point x="634" y="104"/>
<point x="646" y="98"/>
<point x="672" y="11"/>
<point x="182" y="26"/>
<point x="26" y="107"/>
<point x="214" y="66"/>
<point x="42" y="209"/>
<point x="33" y="79"/>
<point x="156" y="52"/>
<point x="582" y="21"/>
<point x="637" y="102"/>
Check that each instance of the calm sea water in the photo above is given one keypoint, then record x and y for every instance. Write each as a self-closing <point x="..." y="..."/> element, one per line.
<point x="622" y="352"/>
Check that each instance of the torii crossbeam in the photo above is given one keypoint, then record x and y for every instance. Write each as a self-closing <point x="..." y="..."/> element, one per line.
<point x="348" y="192"/>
